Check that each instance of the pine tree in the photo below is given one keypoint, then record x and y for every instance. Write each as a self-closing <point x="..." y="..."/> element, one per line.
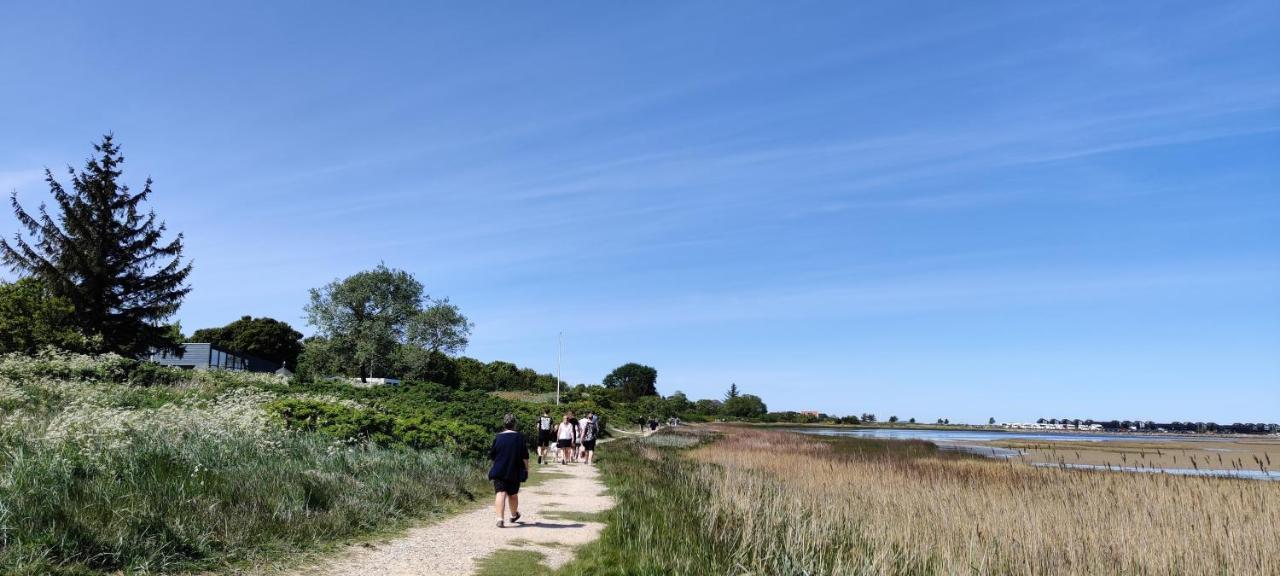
<point x="732" y="393"/>
<point x="104" y="255"/>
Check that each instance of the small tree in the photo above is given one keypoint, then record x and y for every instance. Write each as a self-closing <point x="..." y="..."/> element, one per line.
<point x="105" y="255"/>
<point x="911" y="421"/>
<point x="633" y="380"/>
<point x="991" y="421"/>
<point x="893" y="419"/>
<point x="732" y="393"/>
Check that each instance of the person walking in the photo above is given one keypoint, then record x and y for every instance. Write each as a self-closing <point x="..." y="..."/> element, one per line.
<point x="590" y="429"/>
<point x="544" y="436"/>
<point x="564" y="438"/>
<point x="577" y="436"/>
<point x="510" y="467"/>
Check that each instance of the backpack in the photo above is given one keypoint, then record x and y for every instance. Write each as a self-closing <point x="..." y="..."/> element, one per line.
<point x="589" y="431"/>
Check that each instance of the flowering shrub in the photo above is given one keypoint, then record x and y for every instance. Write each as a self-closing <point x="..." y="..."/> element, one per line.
<point x="108" y="465"/>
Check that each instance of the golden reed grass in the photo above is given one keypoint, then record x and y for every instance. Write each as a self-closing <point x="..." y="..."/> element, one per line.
<point x="789" y="504"/>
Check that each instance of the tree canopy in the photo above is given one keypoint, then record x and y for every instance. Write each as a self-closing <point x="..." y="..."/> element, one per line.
<point x="744" y="406"/>
<point x="365" y="318"/>
<point x="266" y="338"/>
<point x="31" y="318"/>
<point x="104" y="255"/>
<point x="633" y="380"/>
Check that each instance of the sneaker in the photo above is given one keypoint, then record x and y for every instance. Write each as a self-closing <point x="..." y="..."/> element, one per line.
<point x="515" y="517"/>
<point x="501" y="525"/>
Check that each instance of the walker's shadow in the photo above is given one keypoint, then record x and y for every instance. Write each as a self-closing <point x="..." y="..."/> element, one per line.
<point x="547" y="525"/>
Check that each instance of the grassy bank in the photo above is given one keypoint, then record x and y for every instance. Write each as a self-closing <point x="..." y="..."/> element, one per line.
<point x="766" y="502"/>
<point x="102" y="470"/>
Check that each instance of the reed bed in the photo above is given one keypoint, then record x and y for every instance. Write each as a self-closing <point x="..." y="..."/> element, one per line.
<point x="750" y="501"/>
<point x="791" y="505"/>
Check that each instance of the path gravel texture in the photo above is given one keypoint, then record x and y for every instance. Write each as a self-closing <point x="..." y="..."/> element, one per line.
<point x="452" y="546"/>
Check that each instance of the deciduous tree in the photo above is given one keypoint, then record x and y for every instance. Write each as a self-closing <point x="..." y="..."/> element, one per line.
<point x="634" y="380"/>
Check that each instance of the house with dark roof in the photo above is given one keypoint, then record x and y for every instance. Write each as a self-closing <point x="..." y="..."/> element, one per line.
<point x="206" y="356"/>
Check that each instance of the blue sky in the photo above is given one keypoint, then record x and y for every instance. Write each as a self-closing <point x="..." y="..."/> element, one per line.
<point x="933" y="210"/>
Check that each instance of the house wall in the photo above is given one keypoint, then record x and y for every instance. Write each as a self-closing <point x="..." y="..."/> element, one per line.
<point x="192" y="354"/>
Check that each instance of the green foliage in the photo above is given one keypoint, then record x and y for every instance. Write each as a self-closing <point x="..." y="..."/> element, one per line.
<point x="32" y="318"/>
<point x="365" y="319"/>
<point x="102" y="475"/>
<point x="397" y="425"/>
<point x="706" y="407"/>
<point x="440" y="327"/>
<point x="417" y="364"/>
<point x="634" y="380"/>
<point x="104" y="254"/>
<point x="744" y="406"/>
<point x="266" y="338"/>
<point x="498" y="375"/>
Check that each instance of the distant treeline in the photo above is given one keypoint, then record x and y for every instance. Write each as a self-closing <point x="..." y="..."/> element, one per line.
<point x="1150" y="426"/>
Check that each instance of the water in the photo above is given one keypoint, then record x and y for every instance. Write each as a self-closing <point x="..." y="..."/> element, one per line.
<point x="971" y="441"/>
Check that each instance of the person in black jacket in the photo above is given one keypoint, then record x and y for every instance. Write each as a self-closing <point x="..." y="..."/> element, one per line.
<point x="510" y="467"/>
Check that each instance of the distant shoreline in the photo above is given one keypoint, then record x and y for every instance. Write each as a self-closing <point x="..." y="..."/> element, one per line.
<point x="984" y="428"/>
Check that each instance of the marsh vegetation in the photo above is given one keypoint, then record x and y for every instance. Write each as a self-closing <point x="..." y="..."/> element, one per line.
<point x="768" y="502"/>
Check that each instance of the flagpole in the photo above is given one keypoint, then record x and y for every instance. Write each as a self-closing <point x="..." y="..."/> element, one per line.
<point x="559" y="355"/>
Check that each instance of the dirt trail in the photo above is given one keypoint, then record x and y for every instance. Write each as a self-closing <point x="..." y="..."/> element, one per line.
<point x="452" y="546"/>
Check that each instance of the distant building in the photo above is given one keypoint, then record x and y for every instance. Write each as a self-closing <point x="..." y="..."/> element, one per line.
<point x="205" y="356"/>
<point x="813" y="413"/>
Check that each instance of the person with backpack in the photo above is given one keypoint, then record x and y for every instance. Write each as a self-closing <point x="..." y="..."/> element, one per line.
<point x="590" y="429"/>
<point x="544" y="436"/>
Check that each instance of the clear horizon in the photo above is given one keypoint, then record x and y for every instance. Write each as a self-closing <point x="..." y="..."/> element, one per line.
<point x="962" y="212"/>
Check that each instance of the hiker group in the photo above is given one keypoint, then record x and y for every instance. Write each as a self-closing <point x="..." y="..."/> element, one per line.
<point x="574" y="440"/>
<point x="571" y="440"/>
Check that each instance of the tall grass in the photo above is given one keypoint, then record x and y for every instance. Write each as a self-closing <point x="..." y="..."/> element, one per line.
<point x="765" y="502"/>
<point x="99" y="476"/>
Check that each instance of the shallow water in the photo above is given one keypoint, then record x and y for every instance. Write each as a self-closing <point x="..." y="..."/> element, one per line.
<point x="971" y="441"/>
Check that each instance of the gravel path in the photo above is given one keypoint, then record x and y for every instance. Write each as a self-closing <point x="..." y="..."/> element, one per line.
<point x="452" y="546"/>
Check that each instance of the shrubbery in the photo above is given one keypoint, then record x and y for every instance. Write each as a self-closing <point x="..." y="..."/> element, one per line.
<point x="103" y="475"/>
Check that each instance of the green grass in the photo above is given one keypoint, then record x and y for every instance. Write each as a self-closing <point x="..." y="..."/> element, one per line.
<point x="102" y="472"/>
<point x="512" y="562"/>
<point x="655" y="528"/>
<point x="197" y="504"/>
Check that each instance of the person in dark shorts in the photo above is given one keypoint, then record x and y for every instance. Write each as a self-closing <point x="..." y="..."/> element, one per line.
<point x="577" y="437"/>
<point x="590" y="429"/>
<point x="564" y="438"/>
<point x="510" y="467"/>
<point x="545" y="435"/>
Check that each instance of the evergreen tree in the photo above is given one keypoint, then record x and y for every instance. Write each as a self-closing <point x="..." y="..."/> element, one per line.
<point x="104" y="255"/>
<point x="732" y="393"/>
